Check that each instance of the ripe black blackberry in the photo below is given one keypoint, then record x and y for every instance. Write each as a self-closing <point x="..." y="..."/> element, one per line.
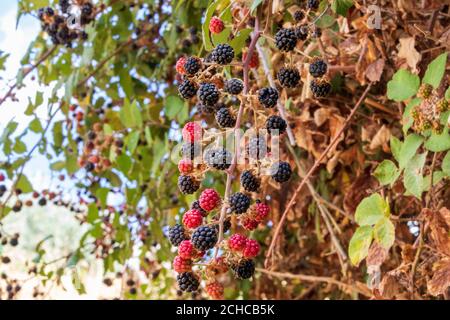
<point x="219" y="158"/>
<point x="204" y="238"/>
<point x="281" y="171"/>
<point x="288" y="77"/>
<point x="64" y="5"/>
<point x="192" y="65"/>
<point x="285" y="39"/>
<point x="318" y="68"/>
<point x="222" y="54"/>
<point x="244" y="269"/>
<point x="2" y="190"/>
<point x="312" y="4"/>
<point x="224" y="118"/>
<point x="320" y="88"/>
<point x="301" y="32"/>
<point x="249" y="182"/>
<point x="268" y="97"/>
<point x="89" y="167"/>
<point x="177" y="234"/>
<point x="276" y="123"/>
<point x="208" y="94"/>
<point x="187" y="89"/>
<point x="42" y="201"/>
<point x="188" y="282"/>
<point x="187" y="184"/>
<point x="234" y="86"/>
<point x="298" y="15"/>
<point x="257" y="147"/>
<point x="196" y="205"/>
<point x="239" y="202"/>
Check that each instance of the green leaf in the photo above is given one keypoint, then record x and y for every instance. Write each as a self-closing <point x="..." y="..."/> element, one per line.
<point x="102" y="195"/>
<point x="370" y="210"/>
<point x="446" y="164"/>
<point x="173" y="106"/>
<point x="409" y="148"/>
<point x="35" y="125"/>
<point x="447" y="93"/>
<point x="384" y="233"/>
<point x="359" y="245"/>
<point x="24" y="184"/>
<point x="132" y="140"/>
<point x="413" y="178"/>
<point x="92" y="214"/>
<point x="341" y="6"/>
<point x="130" y="115"/>
<point x="437" y="177"/>
<point x="403" y="85"/>
<point x="396" y="147"/>
<point x="19" y="146"/>
<point x="255" y="4"/>
<point x="386" y="172"/>
<point x="435" y="71"/>
<point x="238" y="42"/>
<point x="438" y="142"/>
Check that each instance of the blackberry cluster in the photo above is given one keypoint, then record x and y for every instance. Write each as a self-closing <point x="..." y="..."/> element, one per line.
<point x="204" y="238"/>
<point x="281" y="171"/>
<point x="285" y="39"/>
<point x="188" y="281"/>
<point x="257" y="147"/>
<point x="249" y="182"/>
<point x="187" y="89"/>
<point x="234" y="86"/>
<point x="177" y="234"/>
<point x="276" y="123"/>
<point x="222" y="54"/>
<point x="288" y="77"/>
<point x="225" y="119"/>
<point x="219" y="159"/>
<point x="187" y="184"/>
<point x="208" y="94"/>
<point x="318" y="68"/>
<point x="239" y="202"/>
<point x="320" y="88"/>
<point x="268" y="97"/>
<point x="244" y="269"/>
<point x="192" y="65"/>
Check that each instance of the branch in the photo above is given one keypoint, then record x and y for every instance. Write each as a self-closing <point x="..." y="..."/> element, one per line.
<point x="310" y="172"/>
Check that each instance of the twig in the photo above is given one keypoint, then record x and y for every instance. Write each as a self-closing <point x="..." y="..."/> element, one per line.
<point x="311" y="171"/>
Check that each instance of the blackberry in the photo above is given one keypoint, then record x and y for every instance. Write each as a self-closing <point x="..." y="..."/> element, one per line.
<point x="276" y="123"/>
<point x="177" y="235"/>
<point x="42" y="201"/>
<point x="298" y="15"/>
<point x="222" y="54"/>
<point x="225" y="119"/>
<point x="187" y="184"/>
<point x="285" y="39"/>
<point x="2" y="190"/>
<point x="316" y="33"/>
<point x="320" y="89"/>
<point x="239" y="202"/>
<point x="190" y="150"/>
<point x="192" y="65"/>
<point x="249" y="182"/>
<point x="196" y="205"/>
<point x="218" y="158"/>
<point x="87" y="9"/>
<point x="64" y="5"/>
<point x="234" y="86"/>
<point x="208" y="94"/>
<point x="89" y="167"/>
<point x="288" y="77"/>
<point x="187" y="89"/>
<point x="268" y="97"/>
<point x="312" y="4"/>
<point x="188" y="281"/>
<point x="318" y="68"/>
<point x="301" y="32"/>
<point x="257" y="147"/>
<point x="204" y="238"/>
<point x="244" y="269"/>
<point x="226" y="224"/>
<point x="281" y="171"/>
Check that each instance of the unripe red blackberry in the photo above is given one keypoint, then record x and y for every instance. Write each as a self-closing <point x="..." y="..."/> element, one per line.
<point x="234" y="86"/>
<point x="204" y="238"/>
<point x="224" y="118"/>
<point x="268" y="97"/>
<point x="222" y="54"/>
<point x="187" y="89"/>
<point x="262" y="210"/>
<point x="251" y="248"/>
<point x="177" y="234"/>
<point x="219" y="158"/>
<point x="318" y="68"/>
<point x="239" y="202"/>
<point x="237" y="242"/>
<point x="276" y="123"/>
<point x="209" y="199"/>
<point x="208" y="94"/>
<point x="192" y="65"/>
<point x="188" y="282"/>
<point x="215" y="290"/>
<point x="320" y="88"/>
<point x="192" y="131"/>
<point x="289" y="78"/>
<point x="285" y="39"/>
<point x="187" y="184"/>
<point x="179" y="66"/>
<point x="281" y="171"/>
<point x="244" y="269"/>
<point x="249" y="182"/>
<point x="192" y="219"/>
<point x="254" y="59"/>
<point x="186" y="250"/>
<point x="249" y="223"/>
<point x="180" y="264"/>
<point x="216" y="25"/>
<point x="185" y="166"/>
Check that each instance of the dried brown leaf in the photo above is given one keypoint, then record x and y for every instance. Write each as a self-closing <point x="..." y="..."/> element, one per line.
<point x="408" y="52"/>
<point x="375" y="70"/>
<point x="441" y="278"/>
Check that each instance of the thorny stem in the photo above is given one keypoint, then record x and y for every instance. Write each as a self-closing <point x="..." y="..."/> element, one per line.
<point x="310" y="172"/>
